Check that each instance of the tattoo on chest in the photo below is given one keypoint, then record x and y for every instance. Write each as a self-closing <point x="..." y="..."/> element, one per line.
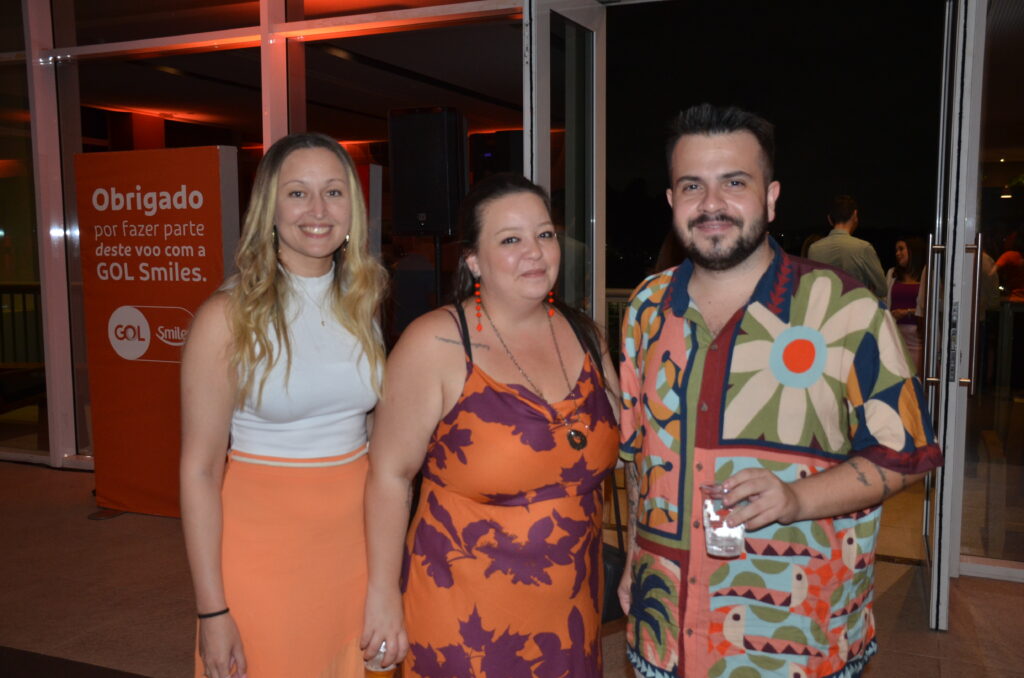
<point x="459" y="343"/>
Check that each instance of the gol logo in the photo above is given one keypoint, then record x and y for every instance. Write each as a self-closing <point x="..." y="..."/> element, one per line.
<point x="132" y="329"/>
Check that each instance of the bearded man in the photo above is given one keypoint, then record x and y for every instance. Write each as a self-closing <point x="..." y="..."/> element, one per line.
<point x="784" y="386"/>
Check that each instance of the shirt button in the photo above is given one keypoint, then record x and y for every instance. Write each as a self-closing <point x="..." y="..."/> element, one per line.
<point x="696" y="524"/>
<point x="714" y="347"/>
<point x="703" y="406"/>
<point x="689" y="632"/>
<point x="700" y="467"/>
<point x="693" y="580"/>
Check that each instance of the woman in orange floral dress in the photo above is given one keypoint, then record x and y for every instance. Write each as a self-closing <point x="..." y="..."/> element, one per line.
<point x="501" y="400"/>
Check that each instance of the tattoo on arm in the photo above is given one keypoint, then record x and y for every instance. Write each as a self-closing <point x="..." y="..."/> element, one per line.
<point x="860" y="474"/>
<point x="459" y="343"/>
<point x="885" y="485"/>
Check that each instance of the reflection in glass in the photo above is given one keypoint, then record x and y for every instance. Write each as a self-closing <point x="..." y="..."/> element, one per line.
<point x="173" y="101"/>
<point x="102" y="21"/>
<point x="23" y="420"/>
<point x="572" y="161"/>
<point x="320" y="9"/>
<point x="350" y="86"/>
<point x="993" y="513"/>
<point x="12" y="33"/>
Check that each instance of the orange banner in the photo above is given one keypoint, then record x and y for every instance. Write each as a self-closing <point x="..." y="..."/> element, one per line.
<point x="157" y="230"/>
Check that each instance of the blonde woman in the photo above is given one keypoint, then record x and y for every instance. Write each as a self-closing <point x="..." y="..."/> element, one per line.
<point x="281" y="367"/>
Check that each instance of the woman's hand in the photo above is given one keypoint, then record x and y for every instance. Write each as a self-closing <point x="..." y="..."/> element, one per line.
<point x="625" y="584"/>
<point x="220" y="647"/>
<point x="383" y="623"/>
<point x="207" y="401"/>
<point x="424" y="376"/>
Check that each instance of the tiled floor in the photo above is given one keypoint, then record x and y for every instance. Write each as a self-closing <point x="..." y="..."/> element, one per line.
<point x="116" y="593"/>
<point x="900" y="535"/>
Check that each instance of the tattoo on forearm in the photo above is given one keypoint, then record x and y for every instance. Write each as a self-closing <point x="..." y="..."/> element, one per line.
<point x="860" y="474"/>
<point x="885" y="485"/>
<point x="459" y="343"/>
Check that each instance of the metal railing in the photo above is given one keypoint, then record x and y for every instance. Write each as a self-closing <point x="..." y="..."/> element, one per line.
<point x="21" y="325"/>
<point x="616" y="301"/>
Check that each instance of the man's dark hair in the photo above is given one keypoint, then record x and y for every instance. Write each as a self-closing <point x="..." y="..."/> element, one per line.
<point x="843" y="207"/>
<point x="709" y="120"/>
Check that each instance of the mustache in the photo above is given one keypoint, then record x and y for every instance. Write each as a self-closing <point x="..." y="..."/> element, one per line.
<point x="705" y="218"/>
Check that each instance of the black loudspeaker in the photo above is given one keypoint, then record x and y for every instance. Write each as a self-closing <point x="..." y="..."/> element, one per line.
<point x="427" y="153"/>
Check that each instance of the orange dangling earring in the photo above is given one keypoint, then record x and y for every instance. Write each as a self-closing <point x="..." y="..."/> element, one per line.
<point x="551" y="301"/>
<point x="479" y="324"/>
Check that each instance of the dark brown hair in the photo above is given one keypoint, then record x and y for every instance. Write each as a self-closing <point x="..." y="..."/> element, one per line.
<point x="708" y="119"/>
<point x="470" y="224"/>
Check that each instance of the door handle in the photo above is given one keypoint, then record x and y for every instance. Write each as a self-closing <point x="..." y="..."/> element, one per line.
<point x="971" y="380"/>
<point x="930" y="377"/>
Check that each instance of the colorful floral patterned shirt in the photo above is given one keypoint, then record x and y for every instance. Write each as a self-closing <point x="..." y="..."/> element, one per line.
<point x="809" y="374"/>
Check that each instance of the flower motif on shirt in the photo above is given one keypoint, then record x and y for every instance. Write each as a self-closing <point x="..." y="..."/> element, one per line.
<point x="787" y="380"/>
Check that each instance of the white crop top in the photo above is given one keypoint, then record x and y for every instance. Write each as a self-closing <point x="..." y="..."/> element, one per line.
<point x="320" y="411"/>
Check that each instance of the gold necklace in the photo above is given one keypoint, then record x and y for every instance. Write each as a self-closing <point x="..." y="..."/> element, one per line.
<point x="577" y="439"/>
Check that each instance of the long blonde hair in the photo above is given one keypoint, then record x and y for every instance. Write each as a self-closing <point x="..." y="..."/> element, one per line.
<point x="260" y="288"/>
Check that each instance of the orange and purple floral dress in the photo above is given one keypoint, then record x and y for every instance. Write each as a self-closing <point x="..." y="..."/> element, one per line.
<point x="502" y="575"/>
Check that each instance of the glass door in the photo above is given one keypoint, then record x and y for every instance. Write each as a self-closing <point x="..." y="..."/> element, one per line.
<point x="938" y="335"/>
<point x="563" y="94"/>
<point x="990" y="374"/>
<point x="974" y="375"/>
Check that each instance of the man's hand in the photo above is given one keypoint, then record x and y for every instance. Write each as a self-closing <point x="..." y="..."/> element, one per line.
<point x="856" y="484"/>
<point x="769" y="499"/>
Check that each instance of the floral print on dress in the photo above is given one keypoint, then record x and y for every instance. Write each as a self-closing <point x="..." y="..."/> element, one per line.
<point x="502" y="570"/>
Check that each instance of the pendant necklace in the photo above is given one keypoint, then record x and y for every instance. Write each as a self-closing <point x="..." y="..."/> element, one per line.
<point x="577" y="439"/>
<point x="319" y="309"/>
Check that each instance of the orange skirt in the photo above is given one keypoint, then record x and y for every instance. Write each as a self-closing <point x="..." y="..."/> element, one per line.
<point x="293" y="552"/>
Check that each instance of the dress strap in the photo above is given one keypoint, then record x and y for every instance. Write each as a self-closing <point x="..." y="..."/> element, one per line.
<point x="595" y="360"/>
<point x="464" y="330"/>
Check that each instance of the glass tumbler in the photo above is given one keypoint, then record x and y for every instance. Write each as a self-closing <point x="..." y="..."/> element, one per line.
<point x="721" y="540"/>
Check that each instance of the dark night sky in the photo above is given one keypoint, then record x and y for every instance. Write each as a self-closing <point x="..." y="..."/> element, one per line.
<point x="853" y="89"/>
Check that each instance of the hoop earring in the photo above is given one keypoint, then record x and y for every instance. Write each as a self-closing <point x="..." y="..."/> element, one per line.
<point x="476" y="291"/>
<point x="551" y="303"/>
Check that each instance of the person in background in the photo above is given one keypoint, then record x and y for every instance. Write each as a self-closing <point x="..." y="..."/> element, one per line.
<point x="782" y="385"/>
<point x="1010" y="266"/>
<point x="808" y="241"/>
<point x="844" y="251"/>
<point x="903" y="295"/>
<point x="500" y="400"/>
<point x="280" y="369"/>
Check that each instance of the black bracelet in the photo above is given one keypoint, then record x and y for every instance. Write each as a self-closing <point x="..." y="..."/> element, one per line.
<point x="214" y="614"/>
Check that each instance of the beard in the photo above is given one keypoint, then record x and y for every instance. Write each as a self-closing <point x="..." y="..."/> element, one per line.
<point x="721" y="256"/>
